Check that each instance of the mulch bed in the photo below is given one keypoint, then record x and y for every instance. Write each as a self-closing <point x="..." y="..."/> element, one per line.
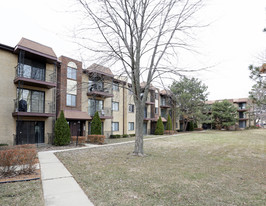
<point x="23" y="177"/>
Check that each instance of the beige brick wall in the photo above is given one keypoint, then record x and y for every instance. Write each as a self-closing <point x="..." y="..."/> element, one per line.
<point x="8" y="62"/>
<point x="118" y="116"/>
<point x="131" y="117"/>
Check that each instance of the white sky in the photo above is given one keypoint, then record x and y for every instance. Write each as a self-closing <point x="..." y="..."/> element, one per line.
<point x="230" y="44"/>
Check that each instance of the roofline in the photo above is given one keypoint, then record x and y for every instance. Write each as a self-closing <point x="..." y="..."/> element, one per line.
<point x="6" y="47"/>
<point x="35" y="52"/>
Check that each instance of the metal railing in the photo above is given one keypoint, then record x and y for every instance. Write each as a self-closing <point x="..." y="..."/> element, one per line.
<point x="102" y="112"/>
<point x="34" y="106"/>
<point x="35" y="73"/>
<point x="97" y="88"/>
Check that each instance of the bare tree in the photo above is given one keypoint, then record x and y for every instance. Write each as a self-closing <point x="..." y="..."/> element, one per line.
<point x="143" y="36"/>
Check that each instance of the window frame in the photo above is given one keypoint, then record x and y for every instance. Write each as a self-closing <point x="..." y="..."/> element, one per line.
<point x="72" y="95"/>
<point x="115" y="86"/>
<point x="130" y="128"/>
<point x="113" y="107"/>
<point x="70" y="74"/>
<point x="115" y="126"/>
<point x="131" y="106"/>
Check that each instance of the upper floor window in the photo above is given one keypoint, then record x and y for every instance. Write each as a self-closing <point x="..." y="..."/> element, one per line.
<point x="30" y="101"/>
<point x="32" y="69"/>
<point x="71" y="73"/>
<point x="115" y="106"/>
<point x="163" y="102"/>
<point x="115" y="86"/>
<point x="71" y="100"/>
<point x="131" y="107"/>
<point x="156" y="96"/>
<point x="156" y="110"/>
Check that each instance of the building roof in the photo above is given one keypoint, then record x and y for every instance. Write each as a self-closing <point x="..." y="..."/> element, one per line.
<point x="165" y="92"/>
<point x="78" y="115"/>
<point x="263" y="68"/>
<point x="143" y="84"/>
<point x="100" y="69"/>
<point x="230" y="100"/>
<point x="36" y="48"/>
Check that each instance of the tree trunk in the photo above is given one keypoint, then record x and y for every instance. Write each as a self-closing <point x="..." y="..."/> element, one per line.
<point x="139" y="130"/>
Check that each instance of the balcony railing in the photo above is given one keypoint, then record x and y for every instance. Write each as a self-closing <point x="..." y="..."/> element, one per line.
<point x="34" y="108"/>
<point x="105" y="113"/>
<point x="35" y="76"/>
<point x="94" y="90"/>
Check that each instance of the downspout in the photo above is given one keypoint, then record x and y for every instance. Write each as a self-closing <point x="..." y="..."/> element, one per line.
<point x="123" y="109"/>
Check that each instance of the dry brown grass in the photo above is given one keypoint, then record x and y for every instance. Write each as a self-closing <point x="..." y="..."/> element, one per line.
<point x="21" y="194"/>
<point x="208" y="168"/>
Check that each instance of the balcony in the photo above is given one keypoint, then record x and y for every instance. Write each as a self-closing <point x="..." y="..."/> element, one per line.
<point x="149" y="101"/>
<point x="105" y="113"/>
<point x="35" y="76"/>
<point x="242" y="109"/>
<point x="95" y="90"/>
<point x="33" y="108"/>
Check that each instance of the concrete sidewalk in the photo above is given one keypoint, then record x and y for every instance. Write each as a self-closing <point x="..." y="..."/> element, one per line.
<point x="59" y="187"/>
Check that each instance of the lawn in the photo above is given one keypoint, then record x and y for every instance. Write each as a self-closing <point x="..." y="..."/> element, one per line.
<point x="27" y="193"/>
<point x="207" y="168"/>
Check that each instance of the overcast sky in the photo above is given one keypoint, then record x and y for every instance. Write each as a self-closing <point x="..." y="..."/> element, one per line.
<point x="230" y="44"/>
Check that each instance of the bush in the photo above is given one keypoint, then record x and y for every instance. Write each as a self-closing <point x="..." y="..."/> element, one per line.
<point x="169" y="123"/>
<point x="125" y="135"/>
<point x="19" y="159"/>
<point x="190" y="126"/>
<point x="81" y="139"/>
<point x="2" y="145"/>
<point x="132" y="135"/>
<point x="62" y="131"/>
<point x="159" y="127"/>
<point x="96" y="124"/>
<point x="99" y="139"/>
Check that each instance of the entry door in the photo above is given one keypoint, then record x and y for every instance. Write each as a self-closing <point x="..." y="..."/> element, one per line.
<point x="76" y="128"/>
<point x="30" y="132"/>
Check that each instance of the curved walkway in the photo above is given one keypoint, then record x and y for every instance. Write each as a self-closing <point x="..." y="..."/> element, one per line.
<point x="59" y="186"/>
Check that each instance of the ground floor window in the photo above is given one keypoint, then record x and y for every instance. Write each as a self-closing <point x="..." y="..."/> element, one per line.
<point x="131" y="126"/>
<point x="115" y="126"/>
<point x="30" y="132"/>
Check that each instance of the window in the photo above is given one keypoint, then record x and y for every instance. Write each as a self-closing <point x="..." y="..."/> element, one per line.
<point x="30" y="101"/>
<point x="71" y="73"/>
<point x="71" y="100"/>
<point x="115" y="126"/>
<point x="115" y="86"/>
<point x="156" y="110"/>
<point x="131" y="126"/>
<point x="130" y="90"/>
<point x="131" y="108"/>
<point x="32" y="69"/>
<point x="163" y="102"/>
<point x="95" y="105"/>
<point x="156" y="95"/>
<point x="115" y="106"/>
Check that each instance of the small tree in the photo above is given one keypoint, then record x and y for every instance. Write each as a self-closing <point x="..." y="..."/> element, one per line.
<point x="224" y="114"/>
<point x="96" y="124"/>
<point x="169" y="123"/>
<point x="159" y="127"/>
<point x="62" y="131"/>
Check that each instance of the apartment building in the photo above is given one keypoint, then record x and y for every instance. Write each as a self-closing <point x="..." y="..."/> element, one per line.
<point x="37" y="86"/>
<point x="28" y="77"/>
<point x="243" y="109"/>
